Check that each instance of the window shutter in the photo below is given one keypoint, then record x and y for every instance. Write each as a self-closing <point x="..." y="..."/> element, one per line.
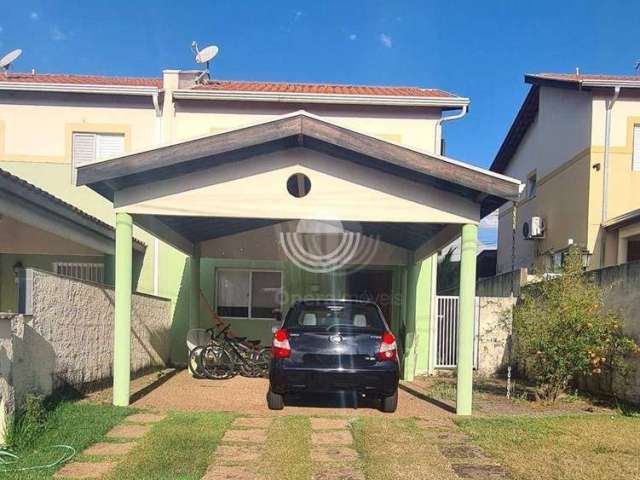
<point x="84" y="149"/>
<point x="635" y="164"/>
<point x="109" y="146"/>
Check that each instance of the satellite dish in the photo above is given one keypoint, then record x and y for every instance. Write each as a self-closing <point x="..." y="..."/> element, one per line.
<point x="206" y="54"/>
<point x="9" y="58"/>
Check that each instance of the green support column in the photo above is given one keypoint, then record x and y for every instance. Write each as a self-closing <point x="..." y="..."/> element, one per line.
<point x="418" y="319"/>
<point x="194" y="295"/>
<point x="466" y="318"/>
<point x="122" y="327"/>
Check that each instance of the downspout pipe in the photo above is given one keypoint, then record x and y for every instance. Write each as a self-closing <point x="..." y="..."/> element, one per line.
<point x="437" y="148"/>
<point x="605" y="167"/>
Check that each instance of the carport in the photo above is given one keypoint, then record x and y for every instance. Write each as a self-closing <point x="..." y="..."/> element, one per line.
<point x="244" y="192"/>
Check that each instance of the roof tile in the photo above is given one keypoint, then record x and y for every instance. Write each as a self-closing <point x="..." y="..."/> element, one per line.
<point x="321" y="88"/>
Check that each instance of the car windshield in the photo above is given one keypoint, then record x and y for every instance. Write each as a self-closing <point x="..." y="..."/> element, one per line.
<point x="331" y="316"/>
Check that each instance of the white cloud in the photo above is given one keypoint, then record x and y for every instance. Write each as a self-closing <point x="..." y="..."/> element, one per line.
<point x="34" y="16"/>
<point x="386" y="40"/>
<point x="353" y="36"/>
<point x="299" y="14"/>
<point x="57" y="34"/>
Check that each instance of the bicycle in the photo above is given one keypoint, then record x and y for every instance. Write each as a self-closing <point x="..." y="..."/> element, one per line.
<point x="225" y="356"/>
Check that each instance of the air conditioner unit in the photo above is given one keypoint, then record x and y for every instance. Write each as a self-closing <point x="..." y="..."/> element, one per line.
<point x="533" y="229"/>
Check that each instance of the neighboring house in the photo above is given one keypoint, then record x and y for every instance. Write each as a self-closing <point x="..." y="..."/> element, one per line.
<point x="50" y="125"/>
<point x="576" y="144"/>
<point x="38" y="230"/>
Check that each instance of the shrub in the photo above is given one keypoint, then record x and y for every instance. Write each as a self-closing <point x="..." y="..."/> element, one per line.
<point x="28" y="422"/>
<point x="562" y="330"/>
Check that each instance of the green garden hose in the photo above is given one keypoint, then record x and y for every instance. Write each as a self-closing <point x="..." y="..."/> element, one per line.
<point x="7" y="459"/>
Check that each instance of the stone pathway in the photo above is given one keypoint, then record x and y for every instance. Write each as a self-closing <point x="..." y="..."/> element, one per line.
<point x="467" y="461"/>
<point x="105" y="455"/>
<point x="239" y="451"/>
<point x="332" y="450"/>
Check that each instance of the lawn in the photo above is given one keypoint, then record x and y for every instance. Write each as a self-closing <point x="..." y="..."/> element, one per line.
<point x="77" y="424"/>
<point x="179" y="447"/>
<point x="571" y="447"/>
<point x="393" y="448"/>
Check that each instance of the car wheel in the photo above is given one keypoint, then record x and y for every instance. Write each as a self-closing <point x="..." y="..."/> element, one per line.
<point x="275" y="401"/>
<point x="389" y="404"/>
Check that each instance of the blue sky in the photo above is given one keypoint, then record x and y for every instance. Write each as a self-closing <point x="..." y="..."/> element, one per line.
<point x="479" y="49"/>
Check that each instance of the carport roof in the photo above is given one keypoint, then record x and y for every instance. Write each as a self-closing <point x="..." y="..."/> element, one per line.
<point x="300" y="129"/>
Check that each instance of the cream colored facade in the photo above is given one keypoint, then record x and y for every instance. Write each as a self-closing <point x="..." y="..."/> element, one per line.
<point x="563" y="149"/>
<point x="37" y="123"/>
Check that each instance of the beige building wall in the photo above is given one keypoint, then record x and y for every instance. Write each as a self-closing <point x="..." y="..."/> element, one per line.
<point x="556" y="150"/>
<point x="417" y="129"/>
<point x="570" y="188"/>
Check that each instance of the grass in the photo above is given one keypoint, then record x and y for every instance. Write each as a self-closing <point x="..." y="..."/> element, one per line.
<point x="78" y="424"/>
<point x="393" y="448"/>
<point x="286" y="453"/>
<point x="569" y="447"/>
<point x="179" y="447"/>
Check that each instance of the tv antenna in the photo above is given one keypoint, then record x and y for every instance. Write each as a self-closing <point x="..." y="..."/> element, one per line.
<point x="8" y="59"/>
<point x="204" y="56"/>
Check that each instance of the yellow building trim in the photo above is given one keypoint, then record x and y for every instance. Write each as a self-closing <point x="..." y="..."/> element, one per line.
<point x="8" y="157"/>
<point x="389" y="137"/>
<point x="115" y="128"/>
<point x="628" y="148"/>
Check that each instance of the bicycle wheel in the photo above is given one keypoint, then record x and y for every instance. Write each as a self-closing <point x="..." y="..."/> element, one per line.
<point x="194" y="363"/>
<point x="216" y="362"/>
<point x="263" y="361"/>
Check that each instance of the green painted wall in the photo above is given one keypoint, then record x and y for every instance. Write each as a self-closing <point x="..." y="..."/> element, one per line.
<point x="297" y="284"/>
<point x="8" y="291"/>
<point x="418" y="318"/>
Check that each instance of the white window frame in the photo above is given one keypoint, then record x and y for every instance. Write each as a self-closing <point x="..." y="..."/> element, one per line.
<point x="250" y="272"/>
<point x="532" y="181"/>
<point x="635" y="148"/>
<point x="97" y="136"/>
<point x="81" y="267"/>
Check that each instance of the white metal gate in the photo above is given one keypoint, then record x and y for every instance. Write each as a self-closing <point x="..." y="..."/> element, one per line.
<point x="446" y="332"/>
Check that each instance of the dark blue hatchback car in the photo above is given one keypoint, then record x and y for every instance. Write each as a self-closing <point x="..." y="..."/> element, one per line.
<point x="327" y="346"/>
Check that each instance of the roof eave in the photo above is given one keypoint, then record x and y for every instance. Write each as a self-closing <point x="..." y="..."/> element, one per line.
<point x="345" y="99"/>
<point x="78" y="88"/>
<point x="580" y="83"/>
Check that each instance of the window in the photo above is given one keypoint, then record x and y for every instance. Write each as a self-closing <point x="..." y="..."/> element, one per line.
<point x="635" y="161"/>
<point x="248" y="293"/>
<point x="92" y="272"/>
<point x="531" y="185"/>
<point x="93" y="147"/>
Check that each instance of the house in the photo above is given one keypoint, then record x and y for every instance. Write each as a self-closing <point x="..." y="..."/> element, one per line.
<point x="576" y="144"/>
<point x="259" y="194"/>
<point x="38" y="230"/>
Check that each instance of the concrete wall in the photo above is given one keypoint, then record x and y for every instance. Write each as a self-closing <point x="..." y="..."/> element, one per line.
<point x="494" y="334"/>
<point x="68" y="341"/>
<point x="621" y="286"/>
<point x="503" y="285"/>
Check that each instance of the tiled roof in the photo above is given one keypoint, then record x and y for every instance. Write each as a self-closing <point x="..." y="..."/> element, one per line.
<point x="51" y="198"/>
<point x="321" y="88"/>
<point x="230" y="85"/>
<point x="63" y="79"/>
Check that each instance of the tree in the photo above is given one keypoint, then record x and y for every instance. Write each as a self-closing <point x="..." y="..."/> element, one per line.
<point x="562" y="330"/>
